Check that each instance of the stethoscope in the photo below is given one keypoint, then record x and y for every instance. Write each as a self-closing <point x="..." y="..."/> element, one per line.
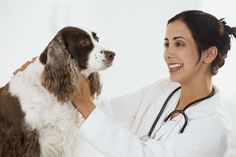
<point x="182" y="112"/>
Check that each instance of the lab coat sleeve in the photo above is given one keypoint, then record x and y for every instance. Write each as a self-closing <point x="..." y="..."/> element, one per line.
<point x="123" y="109"/>
<point x="114" y="140"/>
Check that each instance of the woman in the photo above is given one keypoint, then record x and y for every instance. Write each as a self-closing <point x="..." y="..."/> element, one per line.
<point x="178" y="118"/>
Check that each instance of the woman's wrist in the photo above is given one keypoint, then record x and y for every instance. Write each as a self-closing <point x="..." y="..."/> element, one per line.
<point x="86" y="108"/>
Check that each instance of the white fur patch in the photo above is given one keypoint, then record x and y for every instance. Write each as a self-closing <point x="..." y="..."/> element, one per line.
<point x="96" y="59"/>
<point x="58" y="124"/>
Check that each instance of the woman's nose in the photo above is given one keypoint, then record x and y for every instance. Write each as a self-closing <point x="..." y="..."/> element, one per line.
<point x="168" y="53"/>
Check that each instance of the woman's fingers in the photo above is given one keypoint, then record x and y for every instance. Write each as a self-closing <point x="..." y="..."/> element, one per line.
<point x="83" y="94"/>
<point x="24" y="66"/>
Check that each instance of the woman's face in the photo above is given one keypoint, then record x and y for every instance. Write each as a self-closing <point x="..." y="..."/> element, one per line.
<point x="181" y="53"/>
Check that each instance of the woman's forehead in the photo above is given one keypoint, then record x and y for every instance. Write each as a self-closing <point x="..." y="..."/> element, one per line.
<point x="178" y="29"/>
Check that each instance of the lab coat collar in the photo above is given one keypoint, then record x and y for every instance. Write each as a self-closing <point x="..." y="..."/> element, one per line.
<point x="204" y="108"/>
<point x="207" y="107"/>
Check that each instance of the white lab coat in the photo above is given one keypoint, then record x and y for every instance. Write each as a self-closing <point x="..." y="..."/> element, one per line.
<point x="116" y="125"/>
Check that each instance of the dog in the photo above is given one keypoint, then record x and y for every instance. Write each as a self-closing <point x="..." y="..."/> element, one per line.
<point x="37" y="118"/>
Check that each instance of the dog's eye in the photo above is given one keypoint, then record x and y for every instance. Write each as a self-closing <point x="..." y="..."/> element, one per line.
<point x="84" y="42"/>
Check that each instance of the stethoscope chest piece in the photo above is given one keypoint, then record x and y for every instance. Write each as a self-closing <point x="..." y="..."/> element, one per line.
<point x="145" y="138"/>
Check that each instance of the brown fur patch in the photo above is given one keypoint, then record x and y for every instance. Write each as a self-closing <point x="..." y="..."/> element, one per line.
<point x="61" y="73"/>
<point x="15" y="139"/>
<point x="95" y="84"/>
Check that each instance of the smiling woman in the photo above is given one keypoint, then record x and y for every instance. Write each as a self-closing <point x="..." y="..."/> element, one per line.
<point x="180" y="51"/>
<point x="187" y="107"/>
<point x="195" y="48"/>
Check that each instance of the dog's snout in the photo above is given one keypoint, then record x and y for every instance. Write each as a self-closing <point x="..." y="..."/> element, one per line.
<point x="109" y="55"/>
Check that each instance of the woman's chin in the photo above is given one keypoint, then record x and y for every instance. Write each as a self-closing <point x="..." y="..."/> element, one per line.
<point x="175" y="79"/>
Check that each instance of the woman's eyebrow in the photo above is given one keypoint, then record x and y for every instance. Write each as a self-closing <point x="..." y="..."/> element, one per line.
<point x="179" y="37"/>
<point x="175" y="38"/>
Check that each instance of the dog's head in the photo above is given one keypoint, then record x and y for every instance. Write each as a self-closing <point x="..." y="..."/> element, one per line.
<point x="73" y="51"/>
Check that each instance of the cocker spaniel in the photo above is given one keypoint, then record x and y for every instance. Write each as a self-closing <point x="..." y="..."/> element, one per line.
<point x="37" y="118"/>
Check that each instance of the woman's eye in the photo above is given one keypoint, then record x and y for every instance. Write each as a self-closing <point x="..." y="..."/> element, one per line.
<point x="179" y="44"/>
<point x="166" y="45"/>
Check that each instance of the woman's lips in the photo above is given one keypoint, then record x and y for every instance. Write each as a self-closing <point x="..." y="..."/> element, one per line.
<point x="173" y="67"/>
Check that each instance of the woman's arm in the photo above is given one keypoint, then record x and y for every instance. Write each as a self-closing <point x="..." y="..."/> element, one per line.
<point x="202" y="138"/>
<point x="120" y="109"/>
<point x="199" y="140"/>
<point x="83" y="98"/>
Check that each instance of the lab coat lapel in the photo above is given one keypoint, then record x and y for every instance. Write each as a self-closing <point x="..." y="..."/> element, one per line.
<point x="161" y="127"/>
<point x="150" y="108"/>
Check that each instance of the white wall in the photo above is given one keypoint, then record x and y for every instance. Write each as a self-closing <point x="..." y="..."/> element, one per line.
<point x="134" y="29"/>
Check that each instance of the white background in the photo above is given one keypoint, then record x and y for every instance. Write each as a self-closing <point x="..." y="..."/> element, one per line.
<point x="134" y="29"/>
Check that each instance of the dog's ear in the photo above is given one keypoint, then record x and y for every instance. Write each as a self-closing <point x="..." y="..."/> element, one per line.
<point x="95" y="84"/>
<point x="61" y="73"/>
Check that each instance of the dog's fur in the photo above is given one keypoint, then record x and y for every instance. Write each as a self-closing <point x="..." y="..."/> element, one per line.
<point x="37" y="118"/>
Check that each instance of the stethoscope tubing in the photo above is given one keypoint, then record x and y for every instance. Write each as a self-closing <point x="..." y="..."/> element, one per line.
<point x="182" y="112"/>
<point x="161" y="111"/>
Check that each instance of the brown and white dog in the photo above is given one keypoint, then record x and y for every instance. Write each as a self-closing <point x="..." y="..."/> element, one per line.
<point x="37" y="118"/>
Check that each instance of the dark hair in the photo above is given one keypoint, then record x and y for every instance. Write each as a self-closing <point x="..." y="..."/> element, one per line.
<point x="208" y="31"/>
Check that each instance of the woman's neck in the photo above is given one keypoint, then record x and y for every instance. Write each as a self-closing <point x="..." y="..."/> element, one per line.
<point x="193" y="90"/>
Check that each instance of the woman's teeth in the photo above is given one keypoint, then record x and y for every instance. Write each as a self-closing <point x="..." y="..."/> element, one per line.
<point x="175" y="65"/>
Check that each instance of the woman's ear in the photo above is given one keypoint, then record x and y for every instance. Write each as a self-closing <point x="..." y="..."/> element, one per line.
<point x="210" y="54"/>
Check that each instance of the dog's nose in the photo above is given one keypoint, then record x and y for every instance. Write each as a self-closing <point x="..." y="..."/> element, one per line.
<point x="109" y="55"/>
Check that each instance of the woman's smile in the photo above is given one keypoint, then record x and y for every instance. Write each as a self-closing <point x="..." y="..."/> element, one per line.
<point x="174" y="67"/>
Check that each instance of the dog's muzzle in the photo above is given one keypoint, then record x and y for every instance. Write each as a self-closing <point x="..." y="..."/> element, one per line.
<point x="108" y="57"/>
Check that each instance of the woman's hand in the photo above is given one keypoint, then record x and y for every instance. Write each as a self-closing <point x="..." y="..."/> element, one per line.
<point x="24" y="66"/>
<point x="82" y="98"/>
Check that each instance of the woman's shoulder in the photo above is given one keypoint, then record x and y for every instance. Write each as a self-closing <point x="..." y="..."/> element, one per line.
<point x="211" y="114"/>
<point x="163" y="85"/>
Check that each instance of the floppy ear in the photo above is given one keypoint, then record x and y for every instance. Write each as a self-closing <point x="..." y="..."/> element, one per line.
<point x="95" y="84"/>
<point x="61" y="73"/>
